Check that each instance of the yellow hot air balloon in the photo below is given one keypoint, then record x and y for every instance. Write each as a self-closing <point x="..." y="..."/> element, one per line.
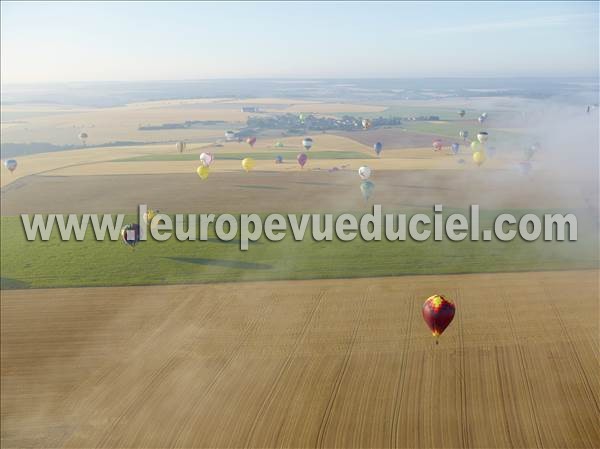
<point x="149" y="215"/>
<point x="203" y="172"/>
<point x="248" y="164"/>
<point x="479" y="157"/>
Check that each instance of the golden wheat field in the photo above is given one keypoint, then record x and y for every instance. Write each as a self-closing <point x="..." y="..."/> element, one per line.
<point x="335" y="363"/>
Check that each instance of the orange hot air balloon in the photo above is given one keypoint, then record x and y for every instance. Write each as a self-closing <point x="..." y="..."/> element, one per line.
<point x="438" y="313"/>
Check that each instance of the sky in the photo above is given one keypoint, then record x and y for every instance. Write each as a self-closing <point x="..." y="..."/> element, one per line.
<point x="129" y="41"/>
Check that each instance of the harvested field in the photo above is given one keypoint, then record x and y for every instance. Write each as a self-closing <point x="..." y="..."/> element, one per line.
<point x="336" y="363"/>
<point x="393" y="138"/>
<point x="271" y="191"/>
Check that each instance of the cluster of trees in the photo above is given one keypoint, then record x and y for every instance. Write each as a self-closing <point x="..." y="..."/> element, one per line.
<point x="185" y="125"/>
<point x="292" y="122"/>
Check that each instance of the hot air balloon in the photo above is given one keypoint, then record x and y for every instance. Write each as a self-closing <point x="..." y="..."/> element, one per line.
<point x="479" y="158"/>
<point x="302" y="158"/>
<point x="10" y="164"/>
<point x="462" y="113"/>
<point x="248" y="164"/>
<point x="251" y="141"/>
<point x="149" y="215"/>
<point x="455" y="148"/>
<point x="484" y="115"/>
<point x="464" y="134"/>
<point x="530" y="151"/>
<point x="229" y="136"/>
<point x="476" y="146"/>
<point x="203" y="171"/>
<point x="378" y="147"/>
<point x="206" y="159"/>
<point x="438" y="313"/>
<point x="364" y="172"/>
<point x="481" y="118"/>
<point x="83" y="137"/>
<point x="482" y="136"/>
<point x="180" y="146"/>
<point x="130" y="234"/>
<point x="366" y="123"/>
<point x="366" y="188"/>
<point x="279" y="145"/>
<point x="301" y="118"/>
<point x="279" y="159"/>
<point x="437" y="144"/>
<point x="307" y="143"/>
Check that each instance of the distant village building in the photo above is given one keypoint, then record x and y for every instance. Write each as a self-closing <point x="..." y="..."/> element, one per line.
<point x="250" y="109"/>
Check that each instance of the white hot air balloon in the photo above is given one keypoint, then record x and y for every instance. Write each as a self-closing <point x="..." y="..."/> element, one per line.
<point x="206" y="159"/>
<point x="307" y="143"/>
<point x="364" y="172"/>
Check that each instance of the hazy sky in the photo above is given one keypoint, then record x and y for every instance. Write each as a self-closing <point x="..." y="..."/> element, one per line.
<point x="167" y="41"/>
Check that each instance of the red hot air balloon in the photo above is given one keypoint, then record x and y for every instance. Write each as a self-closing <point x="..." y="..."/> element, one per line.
<point x="251" y="141"/>
<point x="438" y="313"/>
<point x="437" y="145"/>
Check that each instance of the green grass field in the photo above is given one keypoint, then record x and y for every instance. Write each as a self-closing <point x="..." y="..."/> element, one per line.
<point x="259" y="156"/>
<point x="451" y="131"/>
<point x="91" y="263"/>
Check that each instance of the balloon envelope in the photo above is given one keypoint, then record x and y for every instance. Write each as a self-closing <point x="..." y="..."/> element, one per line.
<point x="462" y="112"/>
<point x="476" y="146"/>
<point x="378" y="147"/>
<point x="251" y="141"/>
<point x="302" y="158"/>
<point x="248" y="164"/>
<point x="455" y="148"/>
<point x="10" y="164"/>
<point x="203" y="171"/>
<point x="366" y="123"/>
<point x="180" y="146"/>
<point x="149" y="215"/>
<point x="278" y="159"/>
<point x="482" y="136"/>
<point x="130" y="234"/>
<point x="464" y="134"/>
<point x="438" y="313"/>
<point x="307" y="143"/>
<point x="364" y="172"/>
<point x="479" y="157"/>
<point x="206" y="159"/>
<point x="437" y="145"/>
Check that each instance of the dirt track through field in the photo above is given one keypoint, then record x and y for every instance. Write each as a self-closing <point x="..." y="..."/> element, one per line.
<point x="289" y="191"/>
<point x="336" y="363"/>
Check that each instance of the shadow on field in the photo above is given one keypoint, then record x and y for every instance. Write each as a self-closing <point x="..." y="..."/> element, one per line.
<point x="8" y="283"/>
<point x="230" y="242"/>
<point x="223" y="263"/>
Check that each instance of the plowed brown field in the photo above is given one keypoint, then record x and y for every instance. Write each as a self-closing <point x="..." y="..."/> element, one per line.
<point x="335" y="363"/>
